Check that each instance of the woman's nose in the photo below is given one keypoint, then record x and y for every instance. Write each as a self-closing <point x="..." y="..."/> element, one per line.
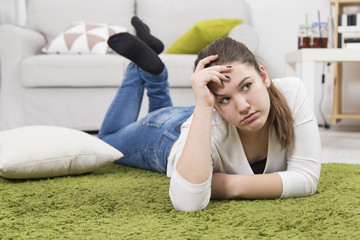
<point x="242" y="105"/>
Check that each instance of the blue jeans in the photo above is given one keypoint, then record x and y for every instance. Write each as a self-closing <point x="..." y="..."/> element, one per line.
<point x="145" y="143"/>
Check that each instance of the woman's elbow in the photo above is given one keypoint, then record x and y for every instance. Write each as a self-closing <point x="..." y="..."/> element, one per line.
<point x="188" y="206"/>
<point x="189" y="197"/>
<point x="299" y="185"/>
<point x="312" y="186"/>
<point x="185" y="200"/>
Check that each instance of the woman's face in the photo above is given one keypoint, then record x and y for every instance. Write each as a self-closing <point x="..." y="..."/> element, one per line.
<point x="243" y="100"/>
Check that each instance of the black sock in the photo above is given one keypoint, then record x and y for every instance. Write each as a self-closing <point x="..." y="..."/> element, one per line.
<point x="143" y="32"/>
<point x="137" y="51"/>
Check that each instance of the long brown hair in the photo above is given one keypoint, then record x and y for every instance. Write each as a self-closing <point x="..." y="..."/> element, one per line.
<point x="229" y="51"/>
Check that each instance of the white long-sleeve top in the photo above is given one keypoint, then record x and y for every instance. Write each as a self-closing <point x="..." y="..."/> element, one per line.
<point x="299" y="166"/>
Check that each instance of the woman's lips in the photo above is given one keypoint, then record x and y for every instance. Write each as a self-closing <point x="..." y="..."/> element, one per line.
<point x="250" y="117"/>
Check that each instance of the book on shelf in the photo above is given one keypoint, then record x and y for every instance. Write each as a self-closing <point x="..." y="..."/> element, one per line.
<point x="352" y="40"/>
<point x="353" y="43"/>
<point x="349" y="20"/>
<point x="348" y="28"/>
<point x="346" y="36"/>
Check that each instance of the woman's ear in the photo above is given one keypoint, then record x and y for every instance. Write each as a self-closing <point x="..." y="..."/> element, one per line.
<point x="265" y="77"/>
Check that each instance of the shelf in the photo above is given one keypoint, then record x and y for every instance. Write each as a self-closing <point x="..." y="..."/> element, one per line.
<point x="324" y="55"/>
<point x="345" y="116"/>
<point x="346" y="2"/>
<point x="339" y="6"/>
<point x="342" y="29"/>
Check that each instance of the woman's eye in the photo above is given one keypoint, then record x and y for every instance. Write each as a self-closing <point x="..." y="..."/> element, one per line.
<point x="246" y="86"/>
<point x="224" y="100"/>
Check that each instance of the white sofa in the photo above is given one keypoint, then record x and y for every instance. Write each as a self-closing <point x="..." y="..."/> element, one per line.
<point x="75" y="90"/>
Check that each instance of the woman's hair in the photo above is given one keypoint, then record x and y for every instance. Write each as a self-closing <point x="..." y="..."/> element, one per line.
<point x="230" y="51"/>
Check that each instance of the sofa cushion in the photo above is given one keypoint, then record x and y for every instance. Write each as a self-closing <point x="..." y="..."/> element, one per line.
<point x="180" y="67"/>
<point x="57" y="70"/>
<point x="73" y="107"/>
<point x="52" y="17"/>
<point x="168" y="20"/>
<point x="83" y="38"/>
<point x="201" y="34"/>
<point x="108" y="70"/>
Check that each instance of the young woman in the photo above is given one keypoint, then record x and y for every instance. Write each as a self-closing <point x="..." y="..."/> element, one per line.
<point x="247" y="137"/>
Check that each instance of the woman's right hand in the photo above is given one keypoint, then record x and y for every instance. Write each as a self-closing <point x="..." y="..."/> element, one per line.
<point x="202" y="77"/>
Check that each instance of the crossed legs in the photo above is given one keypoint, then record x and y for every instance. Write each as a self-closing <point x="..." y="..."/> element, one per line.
<point x="146" y="71"/>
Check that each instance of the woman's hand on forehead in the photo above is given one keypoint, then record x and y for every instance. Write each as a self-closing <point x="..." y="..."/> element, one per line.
<point x="203" y="77"/>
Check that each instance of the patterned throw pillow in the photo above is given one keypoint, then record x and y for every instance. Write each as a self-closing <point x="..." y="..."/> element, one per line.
<point x="83" y="38"/>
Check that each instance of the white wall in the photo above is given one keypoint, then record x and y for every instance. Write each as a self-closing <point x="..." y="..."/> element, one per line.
<point x="277" y="23"/>
<point x="13" y="11"/>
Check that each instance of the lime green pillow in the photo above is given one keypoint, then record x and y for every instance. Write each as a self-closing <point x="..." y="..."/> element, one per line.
<point x="202" y="34"/>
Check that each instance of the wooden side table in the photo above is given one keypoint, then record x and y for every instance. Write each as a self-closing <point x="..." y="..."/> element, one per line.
<point x="307" y="58"/>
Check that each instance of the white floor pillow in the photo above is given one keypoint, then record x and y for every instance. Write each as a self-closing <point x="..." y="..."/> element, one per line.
<point x="49" y="151"/>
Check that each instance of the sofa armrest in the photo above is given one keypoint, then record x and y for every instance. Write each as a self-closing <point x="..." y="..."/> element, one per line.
<point x="17" y="43"/>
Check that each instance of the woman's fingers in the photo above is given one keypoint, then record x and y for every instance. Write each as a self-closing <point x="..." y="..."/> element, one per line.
<point x="205" y="61"/>
<point x="218" y="77"/>
<point x="215" y="74"/>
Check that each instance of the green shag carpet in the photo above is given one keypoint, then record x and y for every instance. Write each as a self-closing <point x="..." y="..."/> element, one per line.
<point x="119" y="202"/>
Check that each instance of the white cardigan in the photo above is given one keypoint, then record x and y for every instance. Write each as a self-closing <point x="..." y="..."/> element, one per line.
<point x="299" y="166"/>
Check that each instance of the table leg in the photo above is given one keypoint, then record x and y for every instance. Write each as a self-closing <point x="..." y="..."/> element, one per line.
<point x="337" y="92"/>
<point x="290" y="69"/>
<point x="308" y="77"/>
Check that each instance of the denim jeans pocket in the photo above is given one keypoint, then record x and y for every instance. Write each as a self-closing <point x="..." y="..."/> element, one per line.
<point x="157" y="118"/>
